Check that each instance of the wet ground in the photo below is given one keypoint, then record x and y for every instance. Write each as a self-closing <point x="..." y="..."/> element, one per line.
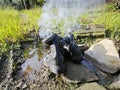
<point x="33" y="52"/>
<point x="26" y="72"/>
<point x="3" y="67"/>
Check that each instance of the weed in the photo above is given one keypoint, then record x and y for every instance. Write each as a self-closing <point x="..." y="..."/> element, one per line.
<point x="109" y="18"/>
<point x="15" y="24"/>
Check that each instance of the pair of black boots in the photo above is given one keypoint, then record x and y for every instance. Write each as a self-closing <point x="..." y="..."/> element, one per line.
<point x="73" y="53"/>
<point x="59" y="54"/>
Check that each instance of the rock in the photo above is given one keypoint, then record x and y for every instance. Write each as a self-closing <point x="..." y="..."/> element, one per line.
<point x="4" y="68"/>
<point x="19" y="84"/>
<point x="78" y="73"/>
<point x="104" y="55"/>
<point x="75" y="73"/>
<point x="115" y="84"/>
<point x="91" y="86"/>
<point x="24" y="86"/>
<point x="50" y="61"/>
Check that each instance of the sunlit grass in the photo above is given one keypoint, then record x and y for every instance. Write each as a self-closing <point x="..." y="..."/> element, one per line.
<point x="109" y="18"/>
<point x="111" y="22"/>
<point x="14" y="24"/>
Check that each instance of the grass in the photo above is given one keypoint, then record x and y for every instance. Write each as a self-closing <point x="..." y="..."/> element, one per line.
<point x="111" y="22"/>
<point x="106" y="16"/>
<point x="14" y="24"/>
<point x="109" y="18"/>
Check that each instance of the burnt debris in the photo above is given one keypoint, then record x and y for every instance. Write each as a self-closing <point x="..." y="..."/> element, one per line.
<point x="72" y="53"/>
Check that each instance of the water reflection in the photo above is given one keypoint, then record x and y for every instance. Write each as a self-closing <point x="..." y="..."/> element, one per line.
<point x="32" y="62"/>
<point x="32" y="65"/>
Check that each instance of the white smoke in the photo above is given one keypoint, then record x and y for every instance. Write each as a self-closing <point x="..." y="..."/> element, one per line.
<point x="64" y="12"/>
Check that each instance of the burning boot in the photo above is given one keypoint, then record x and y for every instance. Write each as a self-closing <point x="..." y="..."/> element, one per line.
<point x="78" y="57"/>
<point x="56" y="57"/>
<point x="73" y="49"/>
<point x="59" y="52"/>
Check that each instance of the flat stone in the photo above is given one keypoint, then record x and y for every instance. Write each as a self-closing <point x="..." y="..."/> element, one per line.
<point x="19" y="84"/>
<point x="78" y="73"/>
<point x="91" y="86"/>
<point x="115" y="84"/>
<point x="75" y="72"/>
<point x="24" y="86"/>
<point x="104" y="55"/>
<point x="50" y="60"/>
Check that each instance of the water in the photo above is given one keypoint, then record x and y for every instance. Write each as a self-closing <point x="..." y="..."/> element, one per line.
<point x="31" y="64"/>
<point x="33" y="55"/>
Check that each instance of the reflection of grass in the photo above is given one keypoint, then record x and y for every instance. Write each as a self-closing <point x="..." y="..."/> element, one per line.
<point x="14" y="24"/>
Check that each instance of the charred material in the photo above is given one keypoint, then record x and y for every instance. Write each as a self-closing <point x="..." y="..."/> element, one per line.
<point x="73" y="53"/>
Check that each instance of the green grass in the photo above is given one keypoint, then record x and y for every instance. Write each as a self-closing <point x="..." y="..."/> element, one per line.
<point x="111" y="22"/>
<point x="109" y="18"/>
<point x="15" y="24"/>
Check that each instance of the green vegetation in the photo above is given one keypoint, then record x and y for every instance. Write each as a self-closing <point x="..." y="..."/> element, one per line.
<point x="15" y="24"/>
<point x="21" y="4"/>
<point x="108" y="17"/>
<point x="111" y="22"/>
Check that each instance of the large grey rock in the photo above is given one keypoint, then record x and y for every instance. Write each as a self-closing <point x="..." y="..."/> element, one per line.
<point x="104" y="55"/>
<point x="91" y="86"/>
<point x="115" y="84"/>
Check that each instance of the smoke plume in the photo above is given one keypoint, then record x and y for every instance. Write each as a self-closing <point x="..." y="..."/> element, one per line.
<point x="64" y="13"/>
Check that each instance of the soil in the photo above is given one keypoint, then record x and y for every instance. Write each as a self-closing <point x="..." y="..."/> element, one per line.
<point x="26" y="71"/>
